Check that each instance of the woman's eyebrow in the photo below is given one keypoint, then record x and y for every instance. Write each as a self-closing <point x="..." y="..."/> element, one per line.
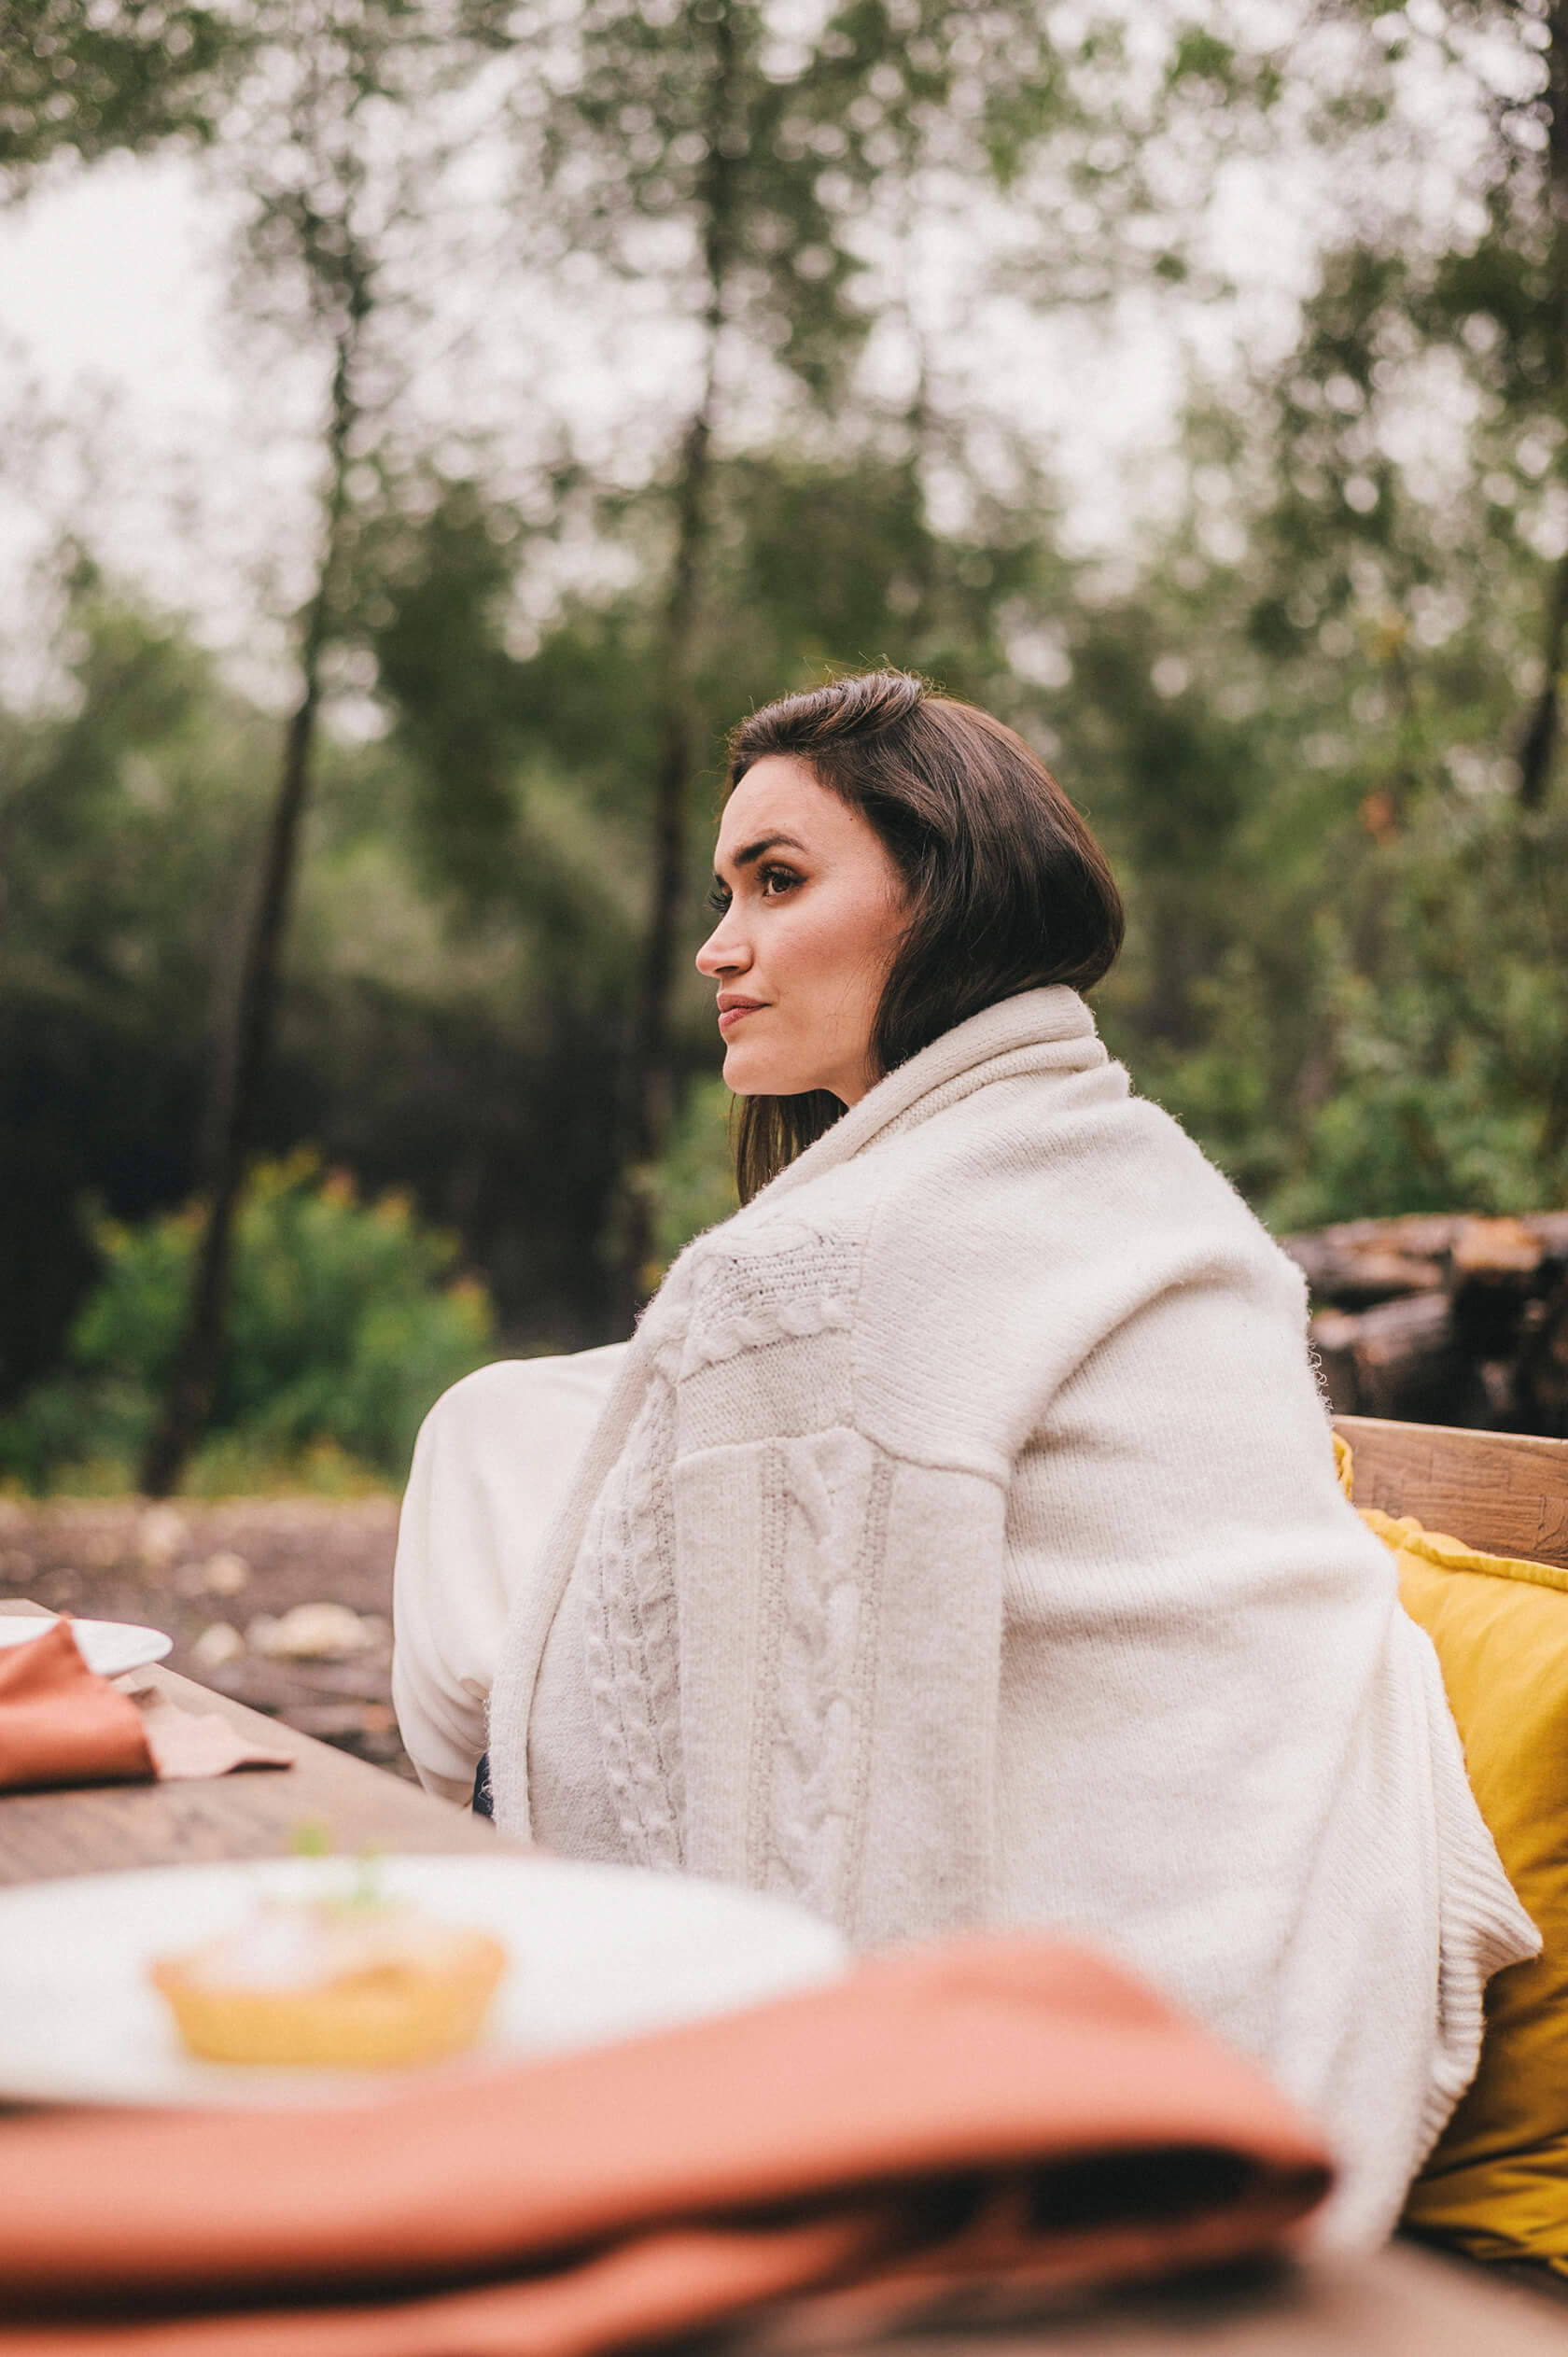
<point x="764" y="843"/>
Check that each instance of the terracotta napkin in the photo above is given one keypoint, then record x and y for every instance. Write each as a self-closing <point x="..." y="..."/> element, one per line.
<point x="60" y="1723"/>
<point x="992" y="2110"/>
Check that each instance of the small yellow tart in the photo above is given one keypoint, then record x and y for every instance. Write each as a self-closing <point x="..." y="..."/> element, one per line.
<point x="334" y="1984"/>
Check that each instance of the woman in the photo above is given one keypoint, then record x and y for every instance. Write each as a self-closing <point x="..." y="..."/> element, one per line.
<point x="959" y="1540"/>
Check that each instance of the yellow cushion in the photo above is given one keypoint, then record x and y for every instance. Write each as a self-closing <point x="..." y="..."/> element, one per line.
<point x="1497" y="2182"/>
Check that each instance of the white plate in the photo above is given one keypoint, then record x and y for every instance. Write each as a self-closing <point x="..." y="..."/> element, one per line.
<point x="108" y="1646"/>
<point x="597" y="1953"/>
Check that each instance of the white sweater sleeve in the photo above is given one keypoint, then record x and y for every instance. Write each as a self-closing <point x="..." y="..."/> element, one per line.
<point x="493" y="1460"/>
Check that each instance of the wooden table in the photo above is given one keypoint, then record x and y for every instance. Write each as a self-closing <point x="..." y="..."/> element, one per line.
<point x="254" y="1813"/>
<point x="1404" y="2303"/>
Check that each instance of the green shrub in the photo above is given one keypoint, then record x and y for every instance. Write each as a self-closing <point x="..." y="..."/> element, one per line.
<point x="696" y="1185"/>
<point x="344" y="1325"/>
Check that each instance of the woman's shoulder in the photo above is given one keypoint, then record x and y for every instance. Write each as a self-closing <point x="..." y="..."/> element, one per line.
<point x="1030" y="1181"/>
<point x="1037" y="1159"/>
<point x="1081" y="1190"/>
<point x="1084" y="1141"/>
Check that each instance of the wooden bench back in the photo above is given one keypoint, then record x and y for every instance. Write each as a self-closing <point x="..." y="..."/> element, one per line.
<point x="1506" y="1493"/>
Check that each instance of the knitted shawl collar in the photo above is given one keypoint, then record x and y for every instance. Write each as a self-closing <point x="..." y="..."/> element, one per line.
<point x="998" y="1044"/>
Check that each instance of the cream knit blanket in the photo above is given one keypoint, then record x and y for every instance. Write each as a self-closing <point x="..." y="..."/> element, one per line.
<point x="960" y="1543"/>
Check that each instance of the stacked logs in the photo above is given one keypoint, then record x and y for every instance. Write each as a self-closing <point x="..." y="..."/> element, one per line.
<point x="1443" y="1318"/>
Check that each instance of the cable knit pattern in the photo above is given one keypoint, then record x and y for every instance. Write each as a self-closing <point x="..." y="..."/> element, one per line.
<point x="827" y="1575"/>
<point x="630" y="1637"/>
<point x="960" y="1543"/>
<point x="744" y="1303"/>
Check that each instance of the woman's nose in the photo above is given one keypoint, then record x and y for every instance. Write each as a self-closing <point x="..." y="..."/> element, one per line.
<point x="724" y="951"/>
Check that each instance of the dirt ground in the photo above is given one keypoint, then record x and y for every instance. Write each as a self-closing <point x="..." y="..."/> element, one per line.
<point x="220" y="1578"/>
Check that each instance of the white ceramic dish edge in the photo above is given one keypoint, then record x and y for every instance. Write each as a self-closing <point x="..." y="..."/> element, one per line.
<point x="599" y="1953"/>
<point x="108" y="1646"/>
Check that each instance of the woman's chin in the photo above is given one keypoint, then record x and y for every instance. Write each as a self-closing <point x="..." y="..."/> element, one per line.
<point x="747" y="1076"/>
<point x="751" y="1071"/>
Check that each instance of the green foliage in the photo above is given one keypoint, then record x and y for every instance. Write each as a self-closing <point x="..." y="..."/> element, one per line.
<point x="696" y="1181"/>
<point x="1451" y="1078"/>
<point x="347" y="1325"/>
<point x="485" y="731"/>
<point x="124" y="823"/>
<point x="838" y="567"/>
<point x="769" y="139"/>
<point x="121" y="74"/>
<point x="465" y="1055"/>
<point x="437" y="629"/>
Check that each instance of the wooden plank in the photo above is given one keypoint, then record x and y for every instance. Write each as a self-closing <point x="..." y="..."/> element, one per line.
<point x="1506" y="1493"/>
<point x="1403" y="2303"/>
<point x="254" y="1813"/>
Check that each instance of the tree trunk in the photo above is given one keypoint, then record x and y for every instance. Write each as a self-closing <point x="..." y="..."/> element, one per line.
<point x="1538" y="744"/>
<point x="650" y="1095"/>
<point x="187" y="1402"/>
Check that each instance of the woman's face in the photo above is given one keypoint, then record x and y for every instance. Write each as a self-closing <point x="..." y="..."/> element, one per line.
<point x="813" y="909"/>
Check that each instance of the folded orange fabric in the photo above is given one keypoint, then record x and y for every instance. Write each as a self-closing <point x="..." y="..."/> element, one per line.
<point x="60" y="1723"/>
<point x="995" y="2108"/>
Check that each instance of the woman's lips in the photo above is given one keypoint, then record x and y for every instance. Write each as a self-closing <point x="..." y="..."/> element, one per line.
<point x="730" y="1013"/>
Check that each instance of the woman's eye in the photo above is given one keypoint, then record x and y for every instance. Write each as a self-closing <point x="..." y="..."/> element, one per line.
<point x="718" y="901"/>
<point x="775" y="881"/>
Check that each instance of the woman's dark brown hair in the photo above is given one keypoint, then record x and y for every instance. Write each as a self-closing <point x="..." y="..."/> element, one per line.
<point x="1007" y="887"/>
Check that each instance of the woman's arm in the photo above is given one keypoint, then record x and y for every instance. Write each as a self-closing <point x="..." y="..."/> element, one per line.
<point x="493" y="1460"/>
